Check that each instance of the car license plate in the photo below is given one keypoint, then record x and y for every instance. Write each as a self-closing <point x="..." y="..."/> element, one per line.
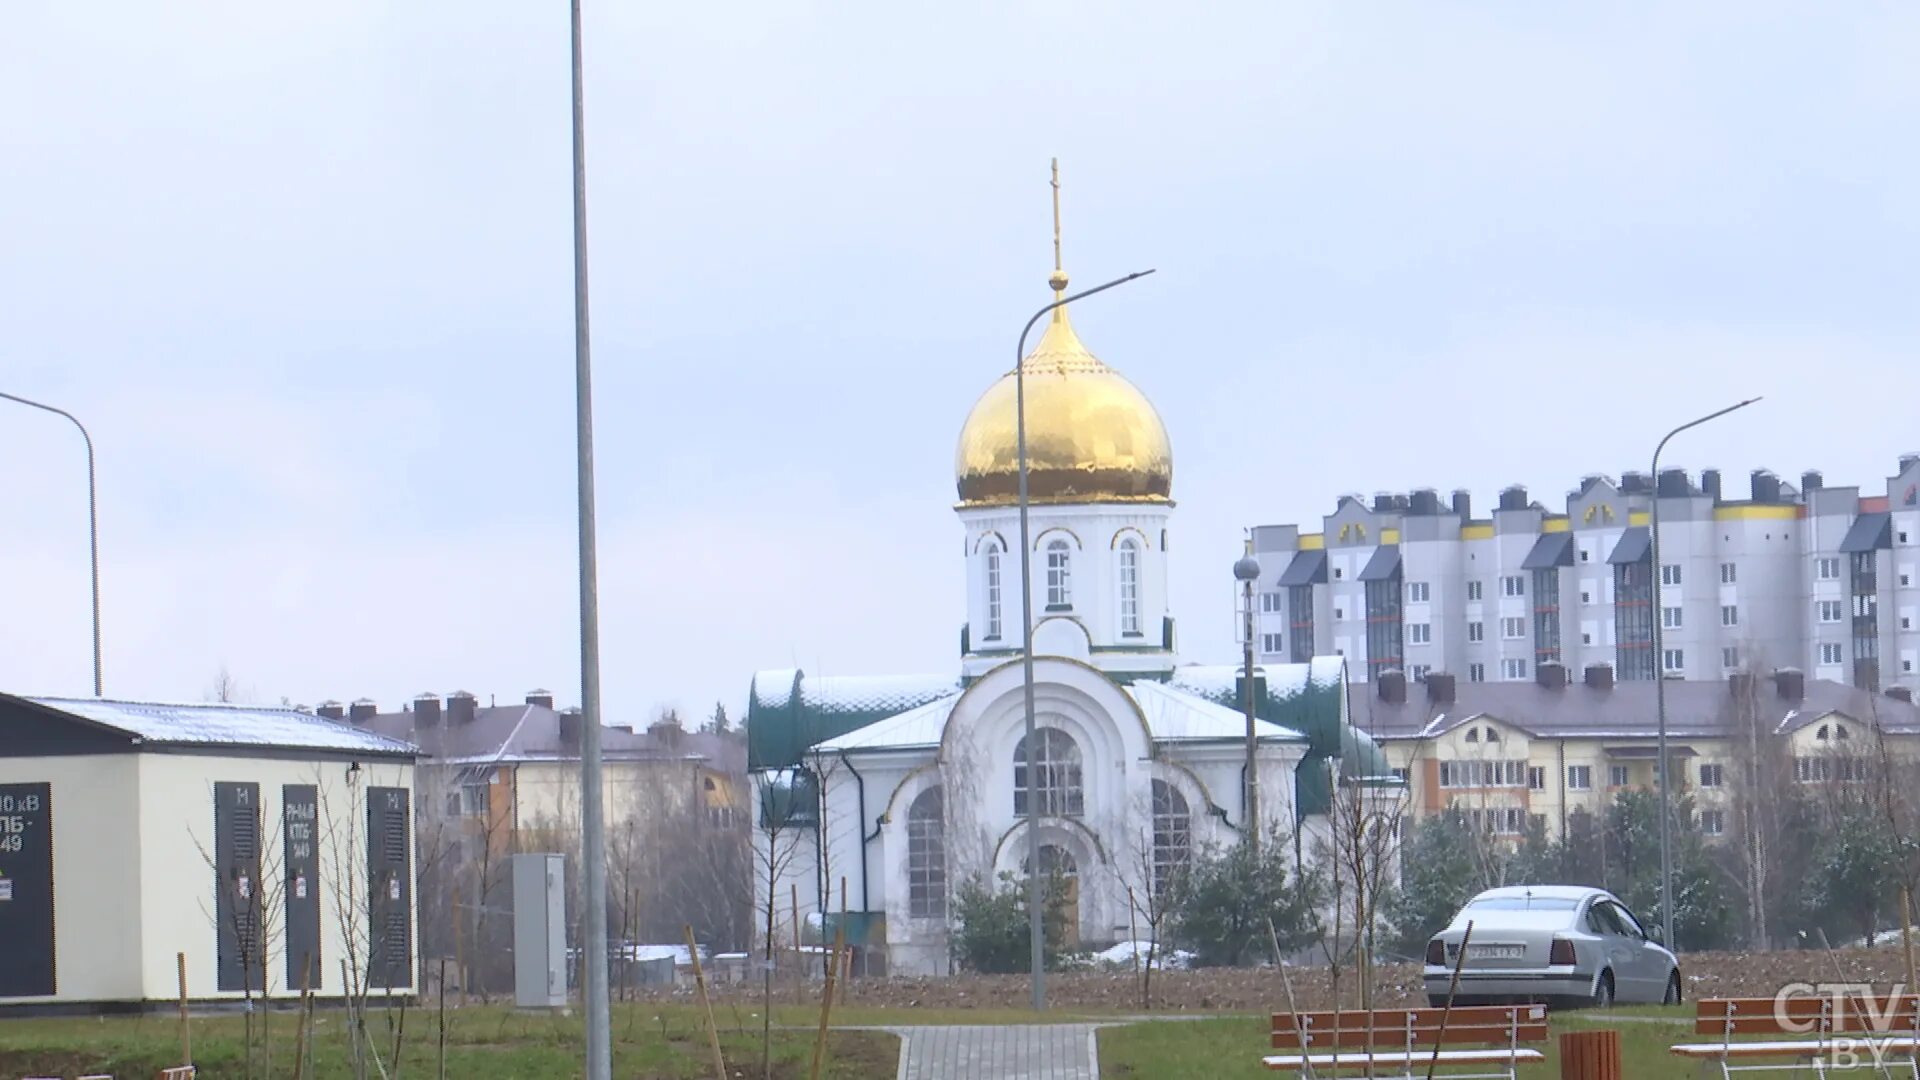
<point x="1496" y="952"/>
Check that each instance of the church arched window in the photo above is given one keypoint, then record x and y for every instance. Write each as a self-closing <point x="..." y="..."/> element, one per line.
<point x="1059" y="575"/>
<point x="927" y="855"/>
<point x="1054" y="767"/>
<point x="993" y="591"/>
<point x="1130" y="586"/>
<point x="1172" y="835"/>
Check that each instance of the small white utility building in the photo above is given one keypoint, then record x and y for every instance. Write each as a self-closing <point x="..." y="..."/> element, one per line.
<point x="266" y="844"/>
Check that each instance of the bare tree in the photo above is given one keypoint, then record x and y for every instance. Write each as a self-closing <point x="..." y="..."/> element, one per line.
<point x="781" y="831"/>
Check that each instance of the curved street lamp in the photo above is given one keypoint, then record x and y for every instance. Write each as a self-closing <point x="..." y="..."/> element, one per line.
<point x="93" y="522"/>
<point x="1035" y="924"/>
<point x="1660" y="686"/>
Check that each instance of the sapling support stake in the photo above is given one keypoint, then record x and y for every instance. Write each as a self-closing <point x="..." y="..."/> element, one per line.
<point x="1446" y="1011"/>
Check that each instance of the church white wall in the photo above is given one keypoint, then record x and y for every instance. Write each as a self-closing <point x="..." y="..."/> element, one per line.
<point x="1094" y="534"/>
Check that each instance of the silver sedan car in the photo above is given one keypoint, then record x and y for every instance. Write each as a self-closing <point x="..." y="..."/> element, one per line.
<point x="1559" y="944"/>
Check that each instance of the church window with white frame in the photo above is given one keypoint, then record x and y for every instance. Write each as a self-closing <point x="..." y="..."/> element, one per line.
<point x="927" y="855"/>
<point x="993" y="590"/>
<point x="1054" y="766"/>
<point x="1059" y="575"/>
<point x="1129" y="586"/>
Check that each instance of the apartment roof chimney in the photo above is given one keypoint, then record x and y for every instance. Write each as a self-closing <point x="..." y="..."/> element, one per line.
<point x="1425" y="502"/>
<point x="1392" y="683"/>
<point x="1513" y="497"/>
<point x="426" y="711"/>
<point x="1907" y="460"/>
<point x="570" y="728"/>
<point x="1440" y="688"/>
<point x="1766" y="486"/>
<point x="332" y="710"/>
<point x="1600" y="676"/>
<point x="1673" y="484"/>
<point x="1463" y="503"/>
<point x="1740" y="684"/>
<point x="1900" y="693"/>
<point x="1383" y="502"/>
<point x="462" y="707"/>
<point x="1811" y="480"/>
<point x="1791" y="683"/>
<point x="542" y="698"/>
<point x="1710" y="483"/>
<point x="1551" y="674"/>
<point x="362" y="711"/>
<point x="1633" y="483"/>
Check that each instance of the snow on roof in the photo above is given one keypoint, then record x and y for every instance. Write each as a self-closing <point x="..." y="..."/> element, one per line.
<point x="225" y="725"/>
<point x="774" y="689"/>
<point x="1283" y="680"/>
<point x="861" y="692"/>
<point x="1173" y="715"/>
<point x="917" y="727"/>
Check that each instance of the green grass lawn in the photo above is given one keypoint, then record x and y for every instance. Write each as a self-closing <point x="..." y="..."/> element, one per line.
<point x="481" y="1044"/>
<point x="1230" y="1048"/>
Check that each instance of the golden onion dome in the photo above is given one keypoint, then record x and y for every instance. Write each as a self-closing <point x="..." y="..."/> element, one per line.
<point x="1092" y="436"/>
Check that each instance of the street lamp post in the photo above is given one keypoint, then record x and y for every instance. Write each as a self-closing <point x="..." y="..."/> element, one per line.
<point x="1035" y="925"/>
<point x="593" y="871"/>
<point x="93" y="523"/>
<point x="1660" y="686"/>
<point x="1246" y="570"/>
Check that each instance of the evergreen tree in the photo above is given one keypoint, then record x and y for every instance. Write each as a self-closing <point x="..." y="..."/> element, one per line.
<point x="1220" y="907"/>
<point x="1439" y="873"/>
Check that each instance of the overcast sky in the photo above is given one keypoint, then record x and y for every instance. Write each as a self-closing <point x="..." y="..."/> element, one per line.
<point x="305" y="270"/>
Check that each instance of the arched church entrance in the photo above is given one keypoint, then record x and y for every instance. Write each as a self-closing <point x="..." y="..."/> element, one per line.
<point x="1060" y="871"/>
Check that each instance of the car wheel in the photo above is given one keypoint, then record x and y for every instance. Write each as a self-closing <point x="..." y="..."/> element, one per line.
<point x="1603" y="991"/>
<point x="1673" y="989"/>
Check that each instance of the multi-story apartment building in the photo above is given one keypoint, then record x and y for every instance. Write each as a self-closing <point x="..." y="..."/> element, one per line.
<point x="1511" y="753"/>
<point x="1824" y="579"/>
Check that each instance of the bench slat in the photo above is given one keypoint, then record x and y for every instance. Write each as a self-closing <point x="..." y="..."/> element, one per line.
<point x="1789" y="1048"/>
<point x="1801" y="1015"/>
<point x="1463" y="1015"/>
<point x="1379" y="1036"/>
<point x="1447" y="1057"/>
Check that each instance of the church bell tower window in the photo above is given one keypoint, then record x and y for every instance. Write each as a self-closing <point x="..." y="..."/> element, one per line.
<point x="1059" y="576"/>
<point x="993" y="592"/>
<point x="1130" y="587"/>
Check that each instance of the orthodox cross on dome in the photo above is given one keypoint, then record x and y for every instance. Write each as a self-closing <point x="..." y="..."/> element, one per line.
<point x="1059" y="278"/>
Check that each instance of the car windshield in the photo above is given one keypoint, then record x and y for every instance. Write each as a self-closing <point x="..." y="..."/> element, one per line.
<point x="1524" y="903"/>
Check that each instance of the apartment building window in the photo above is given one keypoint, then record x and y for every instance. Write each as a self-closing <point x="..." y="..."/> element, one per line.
<point x="1513" y="628"/>
<point x="1339" y="614"/>
<point x="1616" y="776"/>
<point x="1476" y="631"/>
<point x="1712" y="774"/>
<point x="1826" y="569"/>
<point x="1272" y="603"/>
<point x="1831" y="653"/>
<point x="1812" y="770"/>
<point x="1728" y="573"/>
<point x="1546" y="614"/>
<point x="1729" y="615"/>
<point x="1536" y="778"/>
<point x="1300" y="622"/>
<point x="1418" y="672"/>
<point x="1473" y="590"/>
<point x="1586" y="596"/>
<point x="1476" y="673"/>
<point x="1633" y="620"/>
<point x="1473" y="773"/>
<point x="1498" y="820"/>
<point x="1401" y="775"/>
<point x="1730" y="657"/>
<point x="1386" y="645"/>
<point x="1271" y="643"/>
<point x="1419" y="633"/>
<point x="1906" y="578"/>
<point x="1671" y="617"/>
<point x="1513" y="669"/>
<point x="1418" y="592"/>
<point x="1865" y="572"/>
<point x="1713" y="822"/>
<point x="1580" y="778"/>
<point x="1831" y="610"/>
<point x="1673" y="659"/>
<point x="473" y="800"/>
<point x="1670" y="574"/>
<point x="1513" y="585"/>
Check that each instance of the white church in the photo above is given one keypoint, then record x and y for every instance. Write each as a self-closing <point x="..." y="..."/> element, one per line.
<point x="903" y="787"/>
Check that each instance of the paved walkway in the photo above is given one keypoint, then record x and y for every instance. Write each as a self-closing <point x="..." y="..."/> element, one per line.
<point x="1002" y="1052"/>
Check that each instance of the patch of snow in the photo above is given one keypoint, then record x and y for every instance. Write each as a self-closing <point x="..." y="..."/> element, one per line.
<point x="923" y="726"/>
<point x="226" y="725"/>
<point x="1165" y="959"/>
<point x="774" y="689"/>
<point x="1174" y="715"/>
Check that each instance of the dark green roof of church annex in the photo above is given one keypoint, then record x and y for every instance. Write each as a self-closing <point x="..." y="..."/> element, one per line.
<point x="787" y="712"/>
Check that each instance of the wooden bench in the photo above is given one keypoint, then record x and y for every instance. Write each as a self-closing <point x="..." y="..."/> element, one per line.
<point x="1408" y="1040"/>
<point x="1817" y="1035"/>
